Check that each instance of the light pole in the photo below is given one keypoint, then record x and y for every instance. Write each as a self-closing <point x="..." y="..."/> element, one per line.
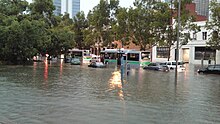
<point x="178" y="38"/>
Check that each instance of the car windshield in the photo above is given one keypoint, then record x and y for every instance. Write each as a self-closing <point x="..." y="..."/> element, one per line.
<point x="179" y="63"/>
<point x="152" y="64"/>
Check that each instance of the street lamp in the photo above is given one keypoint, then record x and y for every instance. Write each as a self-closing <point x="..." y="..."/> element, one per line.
<point x="178" y="38"/>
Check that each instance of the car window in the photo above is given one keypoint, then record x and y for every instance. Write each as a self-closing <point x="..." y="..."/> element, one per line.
<point x="162" y="63"/>
<point x="180" y="63"/>
<point x="151" y="64"/>
<point x="173" y="63"/>
<point x="217" y="68"/>
<point x="210" y="67"/>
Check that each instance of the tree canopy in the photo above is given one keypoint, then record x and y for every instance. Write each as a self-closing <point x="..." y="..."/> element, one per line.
<point x="30" y="29"/>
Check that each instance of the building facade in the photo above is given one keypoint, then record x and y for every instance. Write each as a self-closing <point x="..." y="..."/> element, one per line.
<point x="70" y="6"/>
<point x="57" y="4"/>
<point x="196" y="51"/>
<point x="65" y="6"/>
<point x="202" y="7"/>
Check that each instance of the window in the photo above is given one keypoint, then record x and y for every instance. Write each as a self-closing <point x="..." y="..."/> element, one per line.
<point x="204" y="52"/>
<point x="204" y="35"/>
<point x="145" y="55"/>
<point x="162" y="52"/>
<point x="194" y="36"/>
<point x="133" y="56"/>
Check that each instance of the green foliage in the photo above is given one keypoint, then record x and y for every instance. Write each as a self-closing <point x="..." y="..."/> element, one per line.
<point x="23" y="40"/>
<point x="30" y="29"/>
<point x="13" y="7"/>
<point x="80" y="24"/>
<point x="148" y="22"/>
<point x="23" y="35"/>
<point x="214" y="25"/>
<point x="100" y="20"/>
<point x="42" y="7"/>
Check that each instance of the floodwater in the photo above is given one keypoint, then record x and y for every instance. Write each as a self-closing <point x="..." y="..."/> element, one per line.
<point x="67" y="94"/>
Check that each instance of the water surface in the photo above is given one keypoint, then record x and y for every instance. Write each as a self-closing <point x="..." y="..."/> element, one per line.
<point x="61" y="93"/>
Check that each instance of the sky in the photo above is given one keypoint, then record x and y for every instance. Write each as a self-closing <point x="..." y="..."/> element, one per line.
<point x="86" y="5"/>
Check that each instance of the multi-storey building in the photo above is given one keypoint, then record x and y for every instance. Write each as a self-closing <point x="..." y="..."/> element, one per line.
<point x="202" y="7"/>
<point x="196" y="51"/>
<point x="65" y="6"/>
<point x="57" y="4"/>
<point x="70" y="6"/>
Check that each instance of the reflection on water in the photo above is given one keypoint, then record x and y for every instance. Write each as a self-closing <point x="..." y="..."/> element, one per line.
<point x="60" y="93"/>
<point x="116" y="84"/>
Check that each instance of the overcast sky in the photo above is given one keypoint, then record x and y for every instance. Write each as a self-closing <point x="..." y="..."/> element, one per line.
<point x="86" y="5"/>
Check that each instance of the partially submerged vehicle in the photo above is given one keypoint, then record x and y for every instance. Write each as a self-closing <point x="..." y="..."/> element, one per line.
<point x="75" y="61"/>
<point x="211" y="69"/>
<point x="157" y="66"/>
<point x="97" y="65"/>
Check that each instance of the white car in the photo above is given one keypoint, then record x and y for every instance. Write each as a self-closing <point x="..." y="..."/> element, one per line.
<point x="172" y="65"/>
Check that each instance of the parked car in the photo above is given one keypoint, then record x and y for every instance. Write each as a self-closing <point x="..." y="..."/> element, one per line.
<point x="211" y="69"/>
<point x="97" y="65"/>
<point x="172" y="65"/>
<point x="75" y="61"/>
<point x="157" y="66"/>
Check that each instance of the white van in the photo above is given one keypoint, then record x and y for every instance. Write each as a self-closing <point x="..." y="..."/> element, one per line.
<point x="172" y="65"/>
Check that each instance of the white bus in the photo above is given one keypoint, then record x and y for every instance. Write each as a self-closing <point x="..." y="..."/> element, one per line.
<point x="133" y="57"/>
<point x="84" y="55"/>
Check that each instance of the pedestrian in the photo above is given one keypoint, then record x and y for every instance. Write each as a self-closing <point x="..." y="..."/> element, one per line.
<point x="209" y="61"/>
<point x="128" y="68"/>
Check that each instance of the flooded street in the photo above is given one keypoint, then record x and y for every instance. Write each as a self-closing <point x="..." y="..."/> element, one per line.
<point x="65" y="94"/>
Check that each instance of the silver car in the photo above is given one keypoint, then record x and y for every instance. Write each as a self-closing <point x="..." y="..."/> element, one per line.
<point x="157" y="66"/>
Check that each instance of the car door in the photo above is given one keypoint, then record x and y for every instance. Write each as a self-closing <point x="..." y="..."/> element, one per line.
<point x="210" y="70"/>
<point x="216" y="69"/>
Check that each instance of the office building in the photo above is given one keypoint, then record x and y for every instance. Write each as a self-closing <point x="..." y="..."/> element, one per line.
<point x="57" y="4"/>
<point x="70" y="6"/>
<point x="62" y="6"/>
<point x="202" y="7"/>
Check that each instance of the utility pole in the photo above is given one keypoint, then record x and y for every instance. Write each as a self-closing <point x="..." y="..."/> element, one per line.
<point x="178" y="38"/>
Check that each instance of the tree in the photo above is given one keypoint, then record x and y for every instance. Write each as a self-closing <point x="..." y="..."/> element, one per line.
<point x="23" y="40"/>
<point x="143" y="26"/>
<point x="121" y="28"/>
<point x="214" y="25"/>
<point x="100" y="21"/>
<point x="13" y="7"/>
<point x="62" y="37"/>
<point x="80" y="23"/>
<point x="186" y="19"/>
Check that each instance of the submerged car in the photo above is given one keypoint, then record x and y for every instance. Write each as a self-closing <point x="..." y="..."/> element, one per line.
<point x="172" y="65"/>
<point x="97" y="65"/>
<point x="75" y="61"/>
<point x="157" y="66"/>
<point x="211" y="69"/>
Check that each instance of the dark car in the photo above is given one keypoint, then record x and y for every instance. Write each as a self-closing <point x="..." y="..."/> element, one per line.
<point x="157" y="66"/>
<point x="211" y="69"/>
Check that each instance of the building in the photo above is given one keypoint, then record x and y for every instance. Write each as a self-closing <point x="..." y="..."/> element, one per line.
<point x="202" y="7"/>
<point x="57" y="4"/>
<point x="70" y="6"/>
<point x="65" y="6"/>
<point x="196" y="51"/>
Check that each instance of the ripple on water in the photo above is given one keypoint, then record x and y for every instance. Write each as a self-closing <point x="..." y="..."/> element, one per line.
<point x="65" y="94"/>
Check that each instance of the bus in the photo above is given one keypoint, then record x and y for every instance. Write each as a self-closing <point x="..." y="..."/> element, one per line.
<point x="84" y="55"/>
<point x="133" y="57"/>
